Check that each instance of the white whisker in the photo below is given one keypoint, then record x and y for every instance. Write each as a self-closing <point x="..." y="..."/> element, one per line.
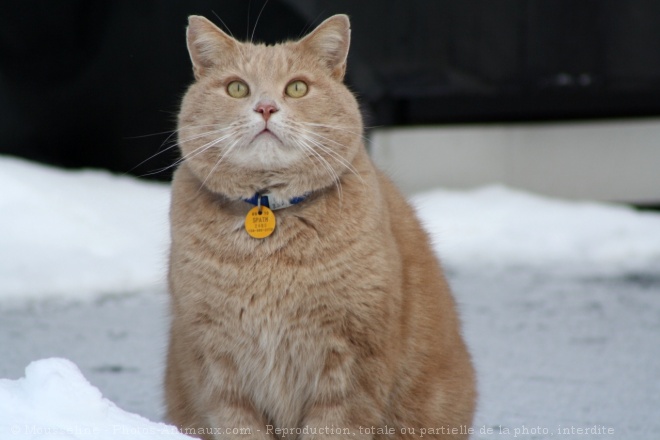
<point x="174" y="143"/>
<point x="348" y="129"/>
<point x="257" y="21"/>
<point x="322" y="161"/>
<point x="219" y="161"/>
<point x="309" y="136"/>
<point x="202" y="135"/>
<point x="197" y="151"/>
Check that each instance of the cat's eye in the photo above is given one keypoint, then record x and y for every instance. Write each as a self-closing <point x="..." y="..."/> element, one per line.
<point x="296" y="89"/>
<point x="237" y="89"/>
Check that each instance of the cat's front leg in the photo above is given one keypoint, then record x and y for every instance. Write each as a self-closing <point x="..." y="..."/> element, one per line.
<point x="228" y="410"/>
<point x="237" y="421"/>
<point x="348" y="402"/>
<point x="341" y="421"/>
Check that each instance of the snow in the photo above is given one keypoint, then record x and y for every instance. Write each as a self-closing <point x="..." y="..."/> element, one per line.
<point x="55" y="402"/>
<point x="560" y="303"/>
<point x="497" y="226"/>
<point x="78" y="233"/>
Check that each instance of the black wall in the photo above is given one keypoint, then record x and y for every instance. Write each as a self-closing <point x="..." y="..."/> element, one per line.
<point x="92" y="83"/>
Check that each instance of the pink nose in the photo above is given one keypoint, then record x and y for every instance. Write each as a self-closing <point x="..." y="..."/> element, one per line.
<point x="266" y="109"/>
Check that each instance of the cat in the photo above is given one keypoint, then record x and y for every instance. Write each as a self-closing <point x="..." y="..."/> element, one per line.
<point x="334" y="320"/>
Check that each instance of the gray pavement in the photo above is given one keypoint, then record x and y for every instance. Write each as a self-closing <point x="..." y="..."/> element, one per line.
<point x="554" y="354"/>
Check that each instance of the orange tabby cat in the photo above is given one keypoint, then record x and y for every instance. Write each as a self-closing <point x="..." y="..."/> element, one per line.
<point x="339" y="324"/>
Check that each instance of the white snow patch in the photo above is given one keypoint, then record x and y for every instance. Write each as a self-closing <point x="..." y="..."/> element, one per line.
<point x="79" y="233"/>
<point x="501" y="227"/>
<point x="84" y="233"/>
<point x="55" y="402"/>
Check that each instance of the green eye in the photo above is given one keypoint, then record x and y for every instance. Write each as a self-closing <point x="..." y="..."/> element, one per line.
<point x="238" y="89"/>
<point x="296" y="89"/>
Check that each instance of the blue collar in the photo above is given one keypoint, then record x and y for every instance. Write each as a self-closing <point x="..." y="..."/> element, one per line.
<point x="269" y="201"/>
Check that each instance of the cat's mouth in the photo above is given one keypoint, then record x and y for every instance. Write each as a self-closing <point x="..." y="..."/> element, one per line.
<point x="267" y="133"/>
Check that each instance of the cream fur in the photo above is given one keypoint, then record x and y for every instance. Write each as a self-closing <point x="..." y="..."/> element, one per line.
<point x="341" y="318"/>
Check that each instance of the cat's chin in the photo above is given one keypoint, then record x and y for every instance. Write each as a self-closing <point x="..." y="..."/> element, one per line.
<point x="267" y="151"/>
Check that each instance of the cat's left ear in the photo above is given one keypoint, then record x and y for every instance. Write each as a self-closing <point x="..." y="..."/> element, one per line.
<point x="207" y="44"/>
<point x="330" y="42"/>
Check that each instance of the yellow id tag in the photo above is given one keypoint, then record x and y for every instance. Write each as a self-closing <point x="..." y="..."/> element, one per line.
<point x="260" y="222"/>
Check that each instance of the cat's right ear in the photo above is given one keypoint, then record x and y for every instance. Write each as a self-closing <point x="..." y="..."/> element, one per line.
<point x="207" y="44"/>
<point x="330" y="42"/>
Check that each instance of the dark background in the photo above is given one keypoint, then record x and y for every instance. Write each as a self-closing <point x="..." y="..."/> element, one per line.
<point x="89" y="83"/>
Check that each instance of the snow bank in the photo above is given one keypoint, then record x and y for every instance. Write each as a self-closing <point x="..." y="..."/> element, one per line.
<point x="500" y="227"/>
<point x="84" y="233"/>
<point x="55" y="402"/>
<point x="78" y="233"/>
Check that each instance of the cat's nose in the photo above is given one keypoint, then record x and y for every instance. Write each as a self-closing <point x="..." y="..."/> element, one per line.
<point x="266" y="108"/>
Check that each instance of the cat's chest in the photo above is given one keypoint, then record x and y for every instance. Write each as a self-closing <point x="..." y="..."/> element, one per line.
<point x="281" y="338"/>
<point x="280" y="303"/>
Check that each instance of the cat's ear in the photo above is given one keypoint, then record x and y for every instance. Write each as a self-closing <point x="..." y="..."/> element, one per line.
<point x="330" y="42"/>
<point x="207" y="44"/>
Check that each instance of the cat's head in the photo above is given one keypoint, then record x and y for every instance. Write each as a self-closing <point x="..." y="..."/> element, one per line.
<point x="269" y="118"/>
